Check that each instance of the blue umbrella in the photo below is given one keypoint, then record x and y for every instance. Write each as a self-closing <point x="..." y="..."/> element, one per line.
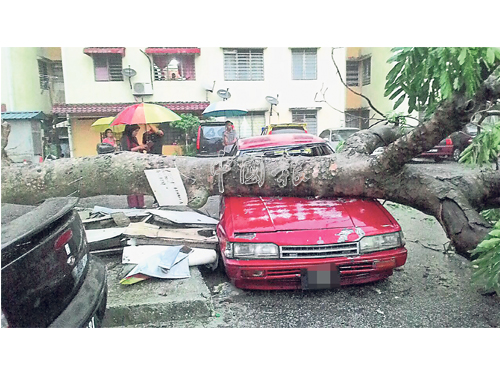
<point x="224" y="108"/>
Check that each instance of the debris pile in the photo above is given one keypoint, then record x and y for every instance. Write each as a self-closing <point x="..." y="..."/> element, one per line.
<point x="161" y="243"/>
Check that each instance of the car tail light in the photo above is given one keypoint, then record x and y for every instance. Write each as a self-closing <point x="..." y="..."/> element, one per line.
<point x="198" y="138"/>
<point x="449" y="142"/>
<point x="63" y="239"/>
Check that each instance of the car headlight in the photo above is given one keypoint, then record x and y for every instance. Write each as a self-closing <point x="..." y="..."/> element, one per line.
<point x="381" y="242"/>
<point x="251" y="250"/>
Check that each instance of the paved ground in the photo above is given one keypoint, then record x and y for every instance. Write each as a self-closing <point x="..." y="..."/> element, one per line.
<point x="432" y="290"/>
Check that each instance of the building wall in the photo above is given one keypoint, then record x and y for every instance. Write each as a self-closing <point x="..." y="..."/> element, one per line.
<point x="20" y="80"/>
<point x="81" y="87"/>
<point x="375" y="90"/>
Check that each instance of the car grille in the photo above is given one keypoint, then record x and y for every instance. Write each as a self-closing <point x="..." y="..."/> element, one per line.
<point x="319" y="251"/>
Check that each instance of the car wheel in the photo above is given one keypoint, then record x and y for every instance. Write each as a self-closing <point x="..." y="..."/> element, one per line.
<point x="456" y="154"/>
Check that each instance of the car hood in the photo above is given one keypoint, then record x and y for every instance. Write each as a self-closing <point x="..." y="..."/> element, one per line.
<point x="265" y="214"/>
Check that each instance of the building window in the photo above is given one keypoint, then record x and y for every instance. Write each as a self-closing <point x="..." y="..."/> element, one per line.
<point x="357" y="118"/>
<point x="355" y="77"/>
<point x="367" y="70"/>
<point x="172" y="135"/>
<point x="107" y="67"/>
<point x="43" y="73"/>
<point x="304" y="63"/>
<point x="244" y="64"/>
<point x="174" y="67"/>
<point x="249" y="125"/>
<point x="308" y="117"/>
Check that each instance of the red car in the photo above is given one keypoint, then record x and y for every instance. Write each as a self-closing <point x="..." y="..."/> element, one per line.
<point x="451" y="147"/>
<point x="305" y="243"/>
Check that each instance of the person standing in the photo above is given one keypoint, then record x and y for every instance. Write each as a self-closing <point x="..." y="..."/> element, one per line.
<point x="129" y="143"/>
<point x="153" y="138"/>
<point x="229" y="137"/>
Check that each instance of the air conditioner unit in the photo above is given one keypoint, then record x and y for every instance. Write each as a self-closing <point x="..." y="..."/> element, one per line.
<point x="143" y="88"/>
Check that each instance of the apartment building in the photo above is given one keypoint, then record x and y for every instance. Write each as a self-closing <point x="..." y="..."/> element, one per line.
<point x="366" y="71"/>
<point x="101" y="81"/>
<point x="31" y="83"/>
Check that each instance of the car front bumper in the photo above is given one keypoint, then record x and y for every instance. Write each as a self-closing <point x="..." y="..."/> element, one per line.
<point x="87" y="308"/>
<point x="270" y="274"/>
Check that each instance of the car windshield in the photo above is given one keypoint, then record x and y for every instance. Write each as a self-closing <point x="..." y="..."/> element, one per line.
<point x="312" y="149"/>
<point x="288" y="130"/>
<point x="344" y="133"/>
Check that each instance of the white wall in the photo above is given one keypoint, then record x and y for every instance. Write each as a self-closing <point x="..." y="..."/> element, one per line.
<point x="81" y="87"/>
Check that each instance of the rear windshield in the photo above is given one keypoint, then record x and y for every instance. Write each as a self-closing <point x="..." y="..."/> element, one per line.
<point x="313" y="149"/>
<point x="288" y="130"/>
<point x="210" y="132"/>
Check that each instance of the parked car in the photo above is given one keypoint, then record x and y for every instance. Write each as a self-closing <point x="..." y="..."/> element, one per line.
<point x="451" y="147"/>
<point x="284" y="128"/>
<point x="305" y="243"/>
<point x="337" y="135"/>
<point x="49" y="279"/>
<point x="209" y="139"/>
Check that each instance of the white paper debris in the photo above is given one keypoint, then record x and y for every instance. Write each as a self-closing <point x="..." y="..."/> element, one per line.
<point x="167" y="186"/>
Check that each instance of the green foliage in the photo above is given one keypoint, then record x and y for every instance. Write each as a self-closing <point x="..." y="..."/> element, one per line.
<point x="492" y="215"/>
<point x="426" y="76"/>
<point x="396" y="117"/>
<point x="485" y="147"/>
<point x="189" y="150"/>
<point x="188" y="122"/>
<point x="486" y="267"/>
<point x="340" y="146"/>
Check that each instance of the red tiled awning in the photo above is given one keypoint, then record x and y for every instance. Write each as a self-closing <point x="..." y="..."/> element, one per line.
<point x="93" y="50"/>
<point x="186" y="50"/>
<point x="114" y="108"/>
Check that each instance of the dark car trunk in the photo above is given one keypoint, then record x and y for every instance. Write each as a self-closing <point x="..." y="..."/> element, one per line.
<point x="44" y="261"/>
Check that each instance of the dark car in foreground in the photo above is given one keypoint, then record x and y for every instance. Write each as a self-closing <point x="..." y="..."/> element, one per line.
<point x="209" y="138"/>
<point x="305" y="243"/>
<point x="49" y="279"/>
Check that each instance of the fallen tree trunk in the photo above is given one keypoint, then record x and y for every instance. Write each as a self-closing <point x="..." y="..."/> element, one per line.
<point x="454" y="198"/>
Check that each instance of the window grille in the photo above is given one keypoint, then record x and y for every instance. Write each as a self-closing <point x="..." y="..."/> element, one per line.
<point x="352" y="73"/>
<point x="249" y="125"/>
<point x="304" y="63"/>
<point x="244" y="64"/>
<point x="43" y="73"/>
<point x="367" y="71"/>
<point x="306" y="116"/>
<point x="174" y="67"/>
<point x="108" y="67"/>
<point x="357" y="118"/>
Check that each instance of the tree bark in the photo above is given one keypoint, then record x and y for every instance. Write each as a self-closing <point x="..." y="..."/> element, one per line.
<point x="453" y="198"/>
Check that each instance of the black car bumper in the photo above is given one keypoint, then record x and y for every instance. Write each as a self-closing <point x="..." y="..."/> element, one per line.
<point x="89" y="305"/>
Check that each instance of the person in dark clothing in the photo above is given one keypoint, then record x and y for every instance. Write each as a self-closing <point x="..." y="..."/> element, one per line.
<point x="129" y="143"/>
<point x="153" y="138"/>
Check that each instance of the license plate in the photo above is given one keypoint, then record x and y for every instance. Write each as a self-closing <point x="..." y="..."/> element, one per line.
<point x="320" y="277"/>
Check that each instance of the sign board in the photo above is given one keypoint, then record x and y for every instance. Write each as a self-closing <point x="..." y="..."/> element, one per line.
<point x="167" y="186"/>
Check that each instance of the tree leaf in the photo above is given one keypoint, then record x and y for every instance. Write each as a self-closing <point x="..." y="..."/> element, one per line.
<point x="490" y="56"/>
<point x="462" y="56"/>
<point x="399" y="101"/>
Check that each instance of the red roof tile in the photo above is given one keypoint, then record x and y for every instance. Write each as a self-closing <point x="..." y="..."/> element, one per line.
<point x="92" y="50"/>
<point x="172" y="50"/>
<point x="115" y="108"/>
